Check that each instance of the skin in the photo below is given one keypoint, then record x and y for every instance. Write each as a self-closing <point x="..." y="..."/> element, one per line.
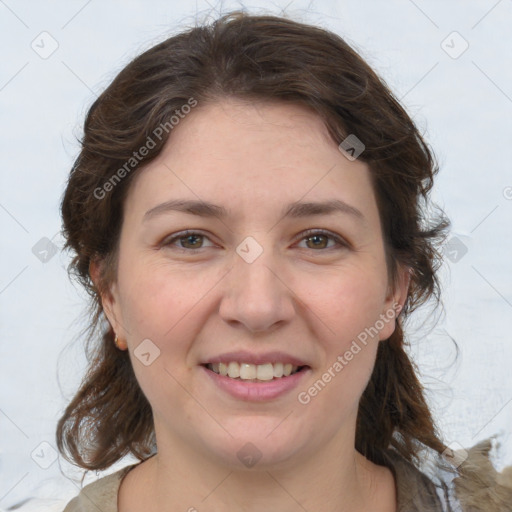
<point x="304" y="298"/>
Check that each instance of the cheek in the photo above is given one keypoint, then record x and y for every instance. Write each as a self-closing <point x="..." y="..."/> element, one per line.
<point x="349" y="343"/>
<point x="346" y="309"/>
<point x="159" y="306"/>
<point x="345" y="302"/>
<point x="170" y="308"/>
<point x="154" y="296"/>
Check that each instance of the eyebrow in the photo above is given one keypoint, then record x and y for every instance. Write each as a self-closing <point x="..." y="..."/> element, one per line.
<point x="295" y="210"/>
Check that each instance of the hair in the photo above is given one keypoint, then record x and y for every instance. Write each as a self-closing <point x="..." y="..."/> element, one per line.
<point x="252" y="58"/>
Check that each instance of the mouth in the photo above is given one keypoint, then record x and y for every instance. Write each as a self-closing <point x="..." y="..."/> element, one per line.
<point x="249" y="372"/>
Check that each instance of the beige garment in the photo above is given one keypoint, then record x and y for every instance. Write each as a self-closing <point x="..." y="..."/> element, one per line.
<point x="479" y="488"/>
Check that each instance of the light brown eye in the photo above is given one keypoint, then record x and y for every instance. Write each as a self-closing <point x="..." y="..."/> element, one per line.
<point x="319" y="239"/>
<point x="188" y="241"/>
<point x="193" y="240"/>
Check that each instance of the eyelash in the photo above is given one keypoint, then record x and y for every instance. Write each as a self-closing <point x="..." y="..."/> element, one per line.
<point x="306" y="234"/>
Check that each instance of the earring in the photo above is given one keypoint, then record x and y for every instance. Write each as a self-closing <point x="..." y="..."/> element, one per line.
<point x="117" y="344"/>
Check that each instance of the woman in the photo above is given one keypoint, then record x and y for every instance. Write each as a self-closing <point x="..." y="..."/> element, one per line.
<point x="246" y="215"/>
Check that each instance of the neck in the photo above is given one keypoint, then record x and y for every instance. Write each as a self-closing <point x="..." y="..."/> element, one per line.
<point x="335" y="479"/>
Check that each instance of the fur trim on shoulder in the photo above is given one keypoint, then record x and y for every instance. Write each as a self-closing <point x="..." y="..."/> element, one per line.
<point x="479" y="487"/>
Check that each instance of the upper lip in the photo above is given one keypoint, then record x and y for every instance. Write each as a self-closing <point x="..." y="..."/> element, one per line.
<point x="243" y="356"/>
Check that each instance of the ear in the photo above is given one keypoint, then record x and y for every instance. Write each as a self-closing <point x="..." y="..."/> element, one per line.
<point x="109" y="297"/>
<point x="395" y="301"/>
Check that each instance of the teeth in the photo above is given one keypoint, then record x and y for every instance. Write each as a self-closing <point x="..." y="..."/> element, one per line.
<point x="247" y="371"/>
<point x="234" y="370"/>
<point x="223" y="369"/>
<point x="278" y="370"/>
<point x="264" y="371"/>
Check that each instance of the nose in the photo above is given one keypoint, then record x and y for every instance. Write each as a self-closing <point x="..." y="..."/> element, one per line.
<point x="257" y="295"/>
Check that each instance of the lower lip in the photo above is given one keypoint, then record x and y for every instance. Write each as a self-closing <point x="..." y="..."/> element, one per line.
<point x="256" y="391"/>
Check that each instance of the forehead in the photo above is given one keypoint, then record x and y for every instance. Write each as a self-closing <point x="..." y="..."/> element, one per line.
<point x="257" y="154"/>
<point x="243" y="128"/>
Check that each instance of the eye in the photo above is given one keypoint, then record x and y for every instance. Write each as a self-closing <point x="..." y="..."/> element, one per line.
<point x="319" y="239"/>
<point x="189" y="241"/>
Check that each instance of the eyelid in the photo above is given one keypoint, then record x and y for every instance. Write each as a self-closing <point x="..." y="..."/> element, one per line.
<point x="340" y="241"/>
<point x="173" y="238"/>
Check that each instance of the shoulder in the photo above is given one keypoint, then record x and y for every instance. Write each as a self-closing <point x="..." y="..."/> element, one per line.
<point x="415" y="491"/>
<point x="479" y="486"/>
<point x="99" y="495"/>
<point x="473" y="486"/>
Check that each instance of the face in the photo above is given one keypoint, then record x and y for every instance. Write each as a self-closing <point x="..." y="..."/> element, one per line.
<point x="256" y="283"/>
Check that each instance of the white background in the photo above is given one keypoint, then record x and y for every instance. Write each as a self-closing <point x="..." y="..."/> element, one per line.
<point x="463" y="104"/>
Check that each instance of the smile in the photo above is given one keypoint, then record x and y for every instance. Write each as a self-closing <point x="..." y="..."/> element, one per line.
<point x="254" y="372"/>
<point x="255" y="382"/>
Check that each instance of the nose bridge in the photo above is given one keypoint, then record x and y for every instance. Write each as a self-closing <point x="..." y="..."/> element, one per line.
<point x="255" y="294"/>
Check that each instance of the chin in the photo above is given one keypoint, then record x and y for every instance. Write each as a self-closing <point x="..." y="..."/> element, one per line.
<point x="256" y="445"/>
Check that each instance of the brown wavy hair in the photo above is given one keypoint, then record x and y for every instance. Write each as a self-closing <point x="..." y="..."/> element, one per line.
<point x="248" y="57"/>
